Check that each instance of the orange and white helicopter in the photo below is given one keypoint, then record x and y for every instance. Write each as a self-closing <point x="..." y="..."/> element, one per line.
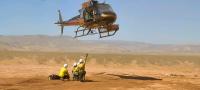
<point x="94" y="18"/>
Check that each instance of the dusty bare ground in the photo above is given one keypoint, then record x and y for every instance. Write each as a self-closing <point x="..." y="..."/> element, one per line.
<point x="27" y="74"/>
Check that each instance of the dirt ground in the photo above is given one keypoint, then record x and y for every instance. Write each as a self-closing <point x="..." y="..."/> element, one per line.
<point x="26" y="74"/>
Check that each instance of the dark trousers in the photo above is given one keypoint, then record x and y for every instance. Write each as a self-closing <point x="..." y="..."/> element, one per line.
<point x="66" y="77"/>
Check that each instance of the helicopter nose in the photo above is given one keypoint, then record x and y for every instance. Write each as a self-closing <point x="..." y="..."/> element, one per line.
<point x="109" y="17"/>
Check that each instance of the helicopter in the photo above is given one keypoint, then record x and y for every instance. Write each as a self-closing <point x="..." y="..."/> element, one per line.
<point x="94" y="18"/>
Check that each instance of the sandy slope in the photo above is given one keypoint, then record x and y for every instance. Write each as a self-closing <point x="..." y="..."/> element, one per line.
<point x="27" y="74"/>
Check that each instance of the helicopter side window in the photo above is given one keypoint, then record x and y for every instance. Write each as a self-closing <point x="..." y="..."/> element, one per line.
<point x="104" y="8"/>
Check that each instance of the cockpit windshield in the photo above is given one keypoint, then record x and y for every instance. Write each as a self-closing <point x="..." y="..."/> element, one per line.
<point x="104" y="8"/>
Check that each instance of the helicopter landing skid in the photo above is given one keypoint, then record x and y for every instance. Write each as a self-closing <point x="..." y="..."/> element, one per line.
<point x="102" y="31"/>
<point x="84" y="32"/>
<point x="106" y="33"/>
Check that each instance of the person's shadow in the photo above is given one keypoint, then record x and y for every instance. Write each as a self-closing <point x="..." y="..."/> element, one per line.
<point x="125" y="76"/>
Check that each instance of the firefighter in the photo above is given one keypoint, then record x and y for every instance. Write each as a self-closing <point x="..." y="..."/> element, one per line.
<point x="75" y="71"/>
<point x="81" y="65"/>
<point x="81" y="70"/>
<point x="63" y="73"/>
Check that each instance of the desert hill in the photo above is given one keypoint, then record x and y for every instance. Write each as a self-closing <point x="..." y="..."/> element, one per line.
<point x="69" y="44"/>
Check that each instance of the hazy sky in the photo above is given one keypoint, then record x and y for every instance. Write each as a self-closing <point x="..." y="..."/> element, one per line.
<point x="154" y="21"/>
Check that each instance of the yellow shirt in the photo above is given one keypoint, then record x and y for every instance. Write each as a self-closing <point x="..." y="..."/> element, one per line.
<point x="63" y="72"/>
<point x="81" y="66"/>
<point x="75" y="69"/>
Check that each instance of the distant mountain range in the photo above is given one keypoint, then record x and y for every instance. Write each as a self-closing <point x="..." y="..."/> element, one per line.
<point x="69" y="44"/>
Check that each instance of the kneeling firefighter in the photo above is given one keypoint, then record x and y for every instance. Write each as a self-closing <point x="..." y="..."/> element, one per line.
<point x="75" y="71"/>
<point x="63" y="73"/>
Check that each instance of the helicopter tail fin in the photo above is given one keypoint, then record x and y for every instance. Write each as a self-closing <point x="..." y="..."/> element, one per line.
<point x="60" y="16"/>
<point x="60" y="22"/>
